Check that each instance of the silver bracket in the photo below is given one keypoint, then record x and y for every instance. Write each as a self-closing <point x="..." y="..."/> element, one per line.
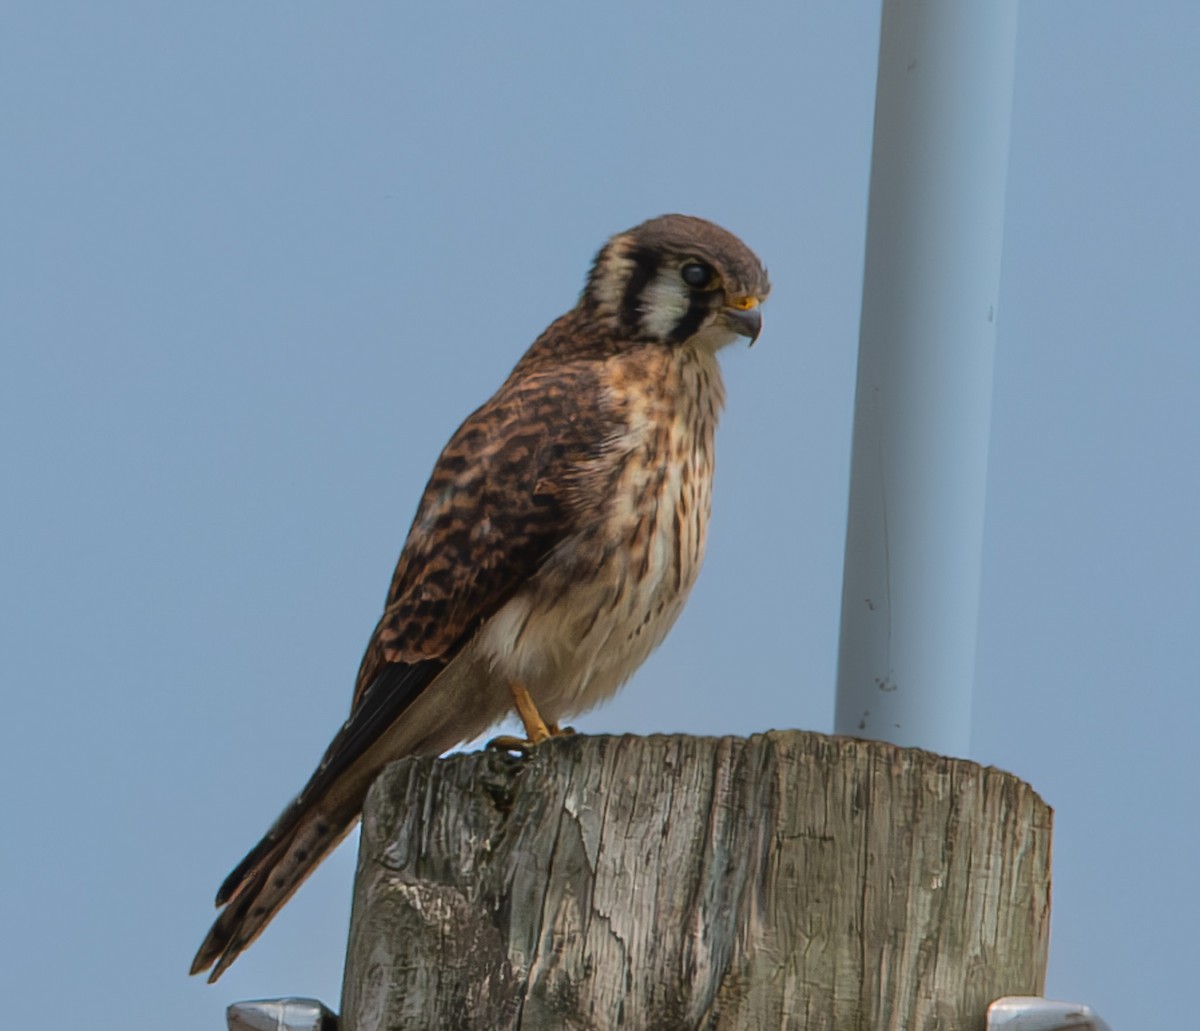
<point x="280" y="1015"/>
<point x="1033" y="1013"/>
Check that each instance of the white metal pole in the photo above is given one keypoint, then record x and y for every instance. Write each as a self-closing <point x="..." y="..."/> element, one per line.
<point x="922" y="416"/>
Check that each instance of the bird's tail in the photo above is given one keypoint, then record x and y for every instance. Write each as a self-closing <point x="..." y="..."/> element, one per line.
<point x="265" y="880"/>
<point x="330" y="804"/>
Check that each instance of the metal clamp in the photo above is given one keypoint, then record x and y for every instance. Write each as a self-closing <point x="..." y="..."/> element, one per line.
<point x="1033" y="1013"/>
<point x="280" y="1015"/>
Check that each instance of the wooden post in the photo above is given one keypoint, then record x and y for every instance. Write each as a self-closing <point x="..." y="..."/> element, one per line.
<point x="788" y="880"/>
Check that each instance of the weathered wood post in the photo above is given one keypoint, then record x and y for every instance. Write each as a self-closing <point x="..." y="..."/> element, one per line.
<point x="788" y="880"/>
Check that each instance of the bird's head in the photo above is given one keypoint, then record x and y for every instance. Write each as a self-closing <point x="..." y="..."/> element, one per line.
<point x="677" y="279"/>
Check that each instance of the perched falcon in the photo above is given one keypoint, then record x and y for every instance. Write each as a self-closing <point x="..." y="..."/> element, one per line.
<point x="553" y="548"/>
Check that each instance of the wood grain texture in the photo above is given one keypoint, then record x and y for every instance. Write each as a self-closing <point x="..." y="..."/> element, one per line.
<point x="788" y="880"/>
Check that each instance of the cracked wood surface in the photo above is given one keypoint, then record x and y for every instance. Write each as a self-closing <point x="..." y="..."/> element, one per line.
<point x="787" y="880"/>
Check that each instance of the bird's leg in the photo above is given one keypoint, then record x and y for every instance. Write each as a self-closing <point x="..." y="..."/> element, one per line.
<point x="536" y="728"/>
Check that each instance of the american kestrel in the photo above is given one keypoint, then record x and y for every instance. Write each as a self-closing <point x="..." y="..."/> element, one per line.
<point x="553" y="548"/>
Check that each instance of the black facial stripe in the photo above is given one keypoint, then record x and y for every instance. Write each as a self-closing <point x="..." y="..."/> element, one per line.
<point x="645" y="265"/>
<point x="698" y="309"/>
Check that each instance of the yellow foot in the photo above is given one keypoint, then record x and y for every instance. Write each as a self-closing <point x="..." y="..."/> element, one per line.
<point x="535" y="727"/>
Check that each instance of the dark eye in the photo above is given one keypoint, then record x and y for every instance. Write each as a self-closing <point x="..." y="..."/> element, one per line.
<point x="697" y="274"/>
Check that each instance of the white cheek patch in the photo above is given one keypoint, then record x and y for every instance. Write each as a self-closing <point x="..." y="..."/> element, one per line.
<point x="662" y="304"/>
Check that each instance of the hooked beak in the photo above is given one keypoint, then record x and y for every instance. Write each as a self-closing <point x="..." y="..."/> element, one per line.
<point x="744" y="321"/>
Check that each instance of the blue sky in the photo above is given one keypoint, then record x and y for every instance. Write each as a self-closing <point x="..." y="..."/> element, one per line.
<point x="258" y="260"/>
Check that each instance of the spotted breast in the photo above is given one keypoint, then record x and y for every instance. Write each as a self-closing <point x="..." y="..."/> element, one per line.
<point x="615" y="588"/>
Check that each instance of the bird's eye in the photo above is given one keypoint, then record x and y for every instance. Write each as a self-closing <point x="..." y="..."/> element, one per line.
<point x="697" y="274"/>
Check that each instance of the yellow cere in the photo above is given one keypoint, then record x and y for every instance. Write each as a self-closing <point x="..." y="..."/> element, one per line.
<point x="745" y="303"/>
